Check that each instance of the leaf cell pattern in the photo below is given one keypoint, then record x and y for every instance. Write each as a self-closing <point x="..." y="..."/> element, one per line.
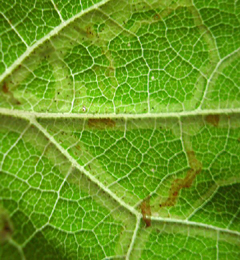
<point x="119" y="129"/>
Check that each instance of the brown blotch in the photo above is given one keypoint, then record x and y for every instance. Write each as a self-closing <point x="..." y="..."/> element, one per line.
<point x="186" y="182"/>
<point x="5" y="88"/>
<point x="6" y="231"/>
<point x="157" y="17"/>
<point x="78" y="147"/>
<point x="12" y="99"/>
<point x="213" y="119"/>
<point x="6" y="227"/>
<point x="101" y="123"/>
<point x="146" y="211"/>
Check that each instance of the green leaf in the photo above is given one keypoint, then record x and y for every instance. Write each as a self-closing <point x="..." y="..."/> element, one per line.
<point x="120" y="129"/>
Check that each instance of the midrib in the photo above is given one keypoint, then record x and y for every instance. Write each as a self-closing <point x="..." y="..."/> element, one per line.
<point x="28" y="114"/>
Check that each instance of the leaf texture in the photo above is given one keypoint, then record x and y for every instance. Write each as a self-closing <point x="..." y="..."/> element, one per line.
<point x="120" y="129"/>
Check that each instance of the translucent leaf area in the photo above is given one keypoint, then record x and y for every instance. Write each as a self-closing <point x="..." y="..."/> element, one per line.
<point x="119" y="129"/>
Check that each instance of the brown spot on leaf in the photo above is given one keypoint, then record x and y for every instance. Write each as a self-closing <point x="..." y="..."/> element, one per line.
<point x="146" y="211"/>
<point x="89" y="32"/>
<point x="213" y="119"/>
<point x="186" y="182"/>
<point x="78" y="147"/>
<point x="5" y="88"/>
<point x="157" y="17"/>
<point x="101" y="123"/>
<point x="6" y="228"/>
<point x="12" y="99"/>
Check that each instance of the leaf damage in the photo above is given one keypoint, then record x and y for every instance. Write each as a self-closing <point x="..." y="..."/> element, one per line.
<point x="90" y="32"/>
<point x="146" y="211"/>
<point x="8" y="93"/>
<point x="6" y="227"/>
<point x="101" y="123"/>
<point x="178" y="184"/>
<point x="213" y="119"/>
<point x="5" y="88"/>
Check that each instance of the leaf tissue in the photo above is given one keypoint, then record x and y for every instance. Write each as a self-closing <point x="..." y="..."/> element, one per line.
<point x="119" y="129"/>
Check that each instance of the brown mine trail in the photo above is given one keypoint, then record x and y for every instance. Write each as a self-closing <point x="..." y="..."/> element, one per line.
<point x="101" y="123"/>
<point x="213" y="119"/>
<point x="146" y="211"/>
<point x="5" y="88"/>
<point x="6" y="91"/>
<point x="178" y="184"/>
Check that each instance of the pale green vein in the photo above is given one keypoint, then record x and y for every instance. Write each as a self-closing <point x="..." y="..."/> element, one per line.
<point x="133" y="238"/>
<point x="212" y="75"/>
<point x="82" y="169"/>
<point x="55" y="7"/>
<point x="55" y="31"/>
<point x="196" y="224"/>
<point x="15" y="30"/>
<point x="19" y="248"/>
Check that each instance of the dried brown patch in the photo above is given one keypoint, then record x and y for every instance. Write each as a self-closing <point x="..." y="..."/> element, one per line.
<point x="213" y="119"/>
<point x="101" y="123"/>
<point x="186" y="182"/>
<point x="146" y="211"/>
<point x="12" y="99"/>
<point x="6" y="228"/>
<point x="17" y="102"/>
<point x="5" y="88"/>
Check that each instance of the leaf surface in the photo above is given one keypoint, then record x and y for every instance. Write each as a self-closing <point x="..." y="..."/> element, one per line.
<point x="119" y="129"/>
